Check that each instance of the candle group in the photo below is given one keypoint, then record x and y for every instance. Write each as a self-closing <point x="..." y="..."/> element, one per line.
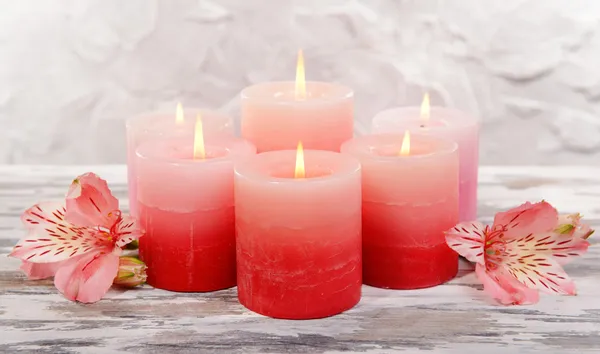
<point x="317" y="213"/>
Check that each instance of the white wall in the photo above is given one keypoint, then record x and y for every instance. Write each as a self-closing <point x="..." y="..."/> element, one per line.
<point x="72" y="71"/>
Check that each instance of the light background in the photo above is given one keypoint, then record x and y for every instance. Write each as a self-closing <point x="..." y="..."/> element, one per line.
<point x="72" y="71"/>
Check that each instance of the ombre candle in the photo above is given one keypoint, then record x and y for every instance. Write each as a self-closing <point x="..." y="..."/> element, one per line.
<point x="298" y="233"/>
<point x="185" y="200"/>
<point x="410" y="197"/>
<point x="156" y="126"/>
<point x="276" y="115"/>
<point x="446" y="123"/>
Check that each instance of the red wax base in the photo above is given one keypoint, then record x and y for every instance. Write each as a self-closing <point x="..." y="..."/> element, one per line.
<point x="396" y="267"/>
<point x="188" y="252"/>
<point x="290" y="279"/>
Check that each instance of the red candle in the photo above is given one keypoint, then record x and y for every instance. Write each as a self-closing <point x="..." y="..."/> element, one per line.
<point x="410" y="197"/>
<point x="298" y="239"/>
<point x="185" y="200"/>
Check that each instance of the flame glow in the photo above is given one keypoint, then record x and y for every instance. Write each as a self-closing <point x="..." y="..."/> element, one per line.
<point x="179" y="114"/>
<point x="425" y="110"/>
<point x="299" y="172"/>
<point x="300" y="78"/>
<point x="199" y="152"/>
<point x="405" y="148"/>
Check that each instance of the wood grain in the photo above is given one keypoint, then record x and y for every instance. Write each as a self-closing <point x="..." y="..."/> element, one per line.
<point x="453" y="318"/>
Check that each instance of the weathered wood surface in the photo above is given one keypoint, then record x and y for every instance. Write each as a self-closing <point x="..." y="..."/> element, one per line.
<point x="455" y="317"/>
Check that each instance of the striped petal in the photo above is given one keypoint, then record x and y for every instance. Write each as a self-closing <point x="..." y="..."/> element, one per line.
<point x="504" y="288"/>
<point x="88" y="279"/>
<point x="51" y="238"/>
<point x="127" y="229"/>
<point x="467" y="239"/>
<point x="535" y="260"/>
<point x="542" y="273"/>
<point x="90" y="202"/>
<point x="562" y="247"/>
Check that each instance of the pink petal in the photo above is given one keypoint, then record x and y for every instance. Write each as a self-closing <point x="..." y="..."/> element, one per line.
<point x="44" y="215"/>
<point x="53" y="239"/>
<point x="562" y="247"/>
<point x="467" y="239"/>
<point x="527" y="219"/>
<point x="91" y="203"/>
<point x="505" y="289"/>
<point x="36" y="271"/>
<point x="89" y="279"/>
<point x="543" y="273"/>
<point x="127" y="230"/>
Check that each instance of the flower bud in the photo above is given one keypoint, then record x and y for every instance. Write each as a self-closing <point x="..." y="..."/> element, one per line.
<point x="132" y="272"/>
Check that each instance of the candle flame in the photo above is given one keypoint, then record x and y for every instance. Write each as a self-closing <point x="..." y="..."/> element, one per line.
<point x="179" y="114"/>
<point x="300" y="77"/>
<point x="299" y="172"/>
<point x="199" y="152"/>
<point x="405" y="148"/>
<point x="425" y="110"/>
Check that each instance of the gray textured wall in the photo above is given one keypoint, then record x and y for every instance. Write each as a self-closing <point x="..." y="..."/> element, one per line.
<point x="72" y="71"/>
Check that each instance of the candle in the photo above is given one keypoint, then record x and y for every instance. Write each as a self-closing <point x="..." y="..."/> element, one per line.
<point x="185" y="200"/>
<point x="153" y="126"/>
<point x="298" y="233"/>
<point x="410" y="197"/>
<point x="446" y="123"/>
<point x="276" y="115"/>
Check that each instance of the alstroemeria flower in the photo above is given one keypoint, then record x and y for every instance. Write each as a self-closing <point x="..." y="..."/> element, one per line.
<point x="520" y="253"/>
<point x="79" y="243"/>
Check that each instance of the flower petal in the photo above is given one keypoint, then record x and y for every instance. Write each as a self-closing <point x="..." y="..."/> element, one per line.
<point x="562" y="247"/>
<point x="467" y="239"/>
<point x="37" y="271"/>
<point x="89" y="279"/>
<point x="543" y="273"/>
<point x="127" y="229"/>
<point x="527" y="219"/>
<point x="91" y="203"/>
<point x="44" y="215"/>
<point x="51" y="238"/>
<point x="505" y="289"/>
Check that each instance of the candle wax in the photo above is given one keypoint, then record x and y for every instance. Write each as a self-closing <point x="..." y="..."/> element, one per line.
<point x="274" y="119"/>
<point x="449" y="124"/>
<point x="298" y="240"/>
<point x="186" y="208"/>
<point x="408" y="203"/>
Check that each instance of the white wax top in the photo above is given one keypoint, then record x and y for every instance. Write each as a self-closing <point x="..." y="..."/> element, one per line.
<point x="169" y="178"/>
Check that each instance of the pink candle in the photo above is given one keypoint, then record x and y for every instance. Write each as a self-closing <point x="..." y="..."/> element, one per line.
<point x="186" y="207"/>
<point x="273" y="118"/>
<point x="153" y="126"/>
<point x="410" y="197"/>
<point x="445" y="123"/>
<point x="298" y="239"/>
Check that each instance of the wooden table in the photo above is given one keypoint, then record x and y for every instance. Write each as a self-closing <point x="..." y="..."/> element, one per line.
<point x="453" y="318"/>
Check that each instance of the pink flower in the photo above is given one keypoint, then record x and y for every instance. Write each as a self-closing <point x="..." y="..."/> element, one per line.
<point x="521" y="252"/>
<point x="80" y="243"/>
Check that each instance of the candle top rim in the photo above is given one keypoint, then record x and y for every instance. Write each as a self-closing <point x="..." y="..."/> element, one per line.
<point x="267" y="91"/>
<point x="265" y="165"/>
<point x="189" y="115"/>
<point x="226" y="147"/>
<point x="411" y="115"/>
<point x="366" y="146"/>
